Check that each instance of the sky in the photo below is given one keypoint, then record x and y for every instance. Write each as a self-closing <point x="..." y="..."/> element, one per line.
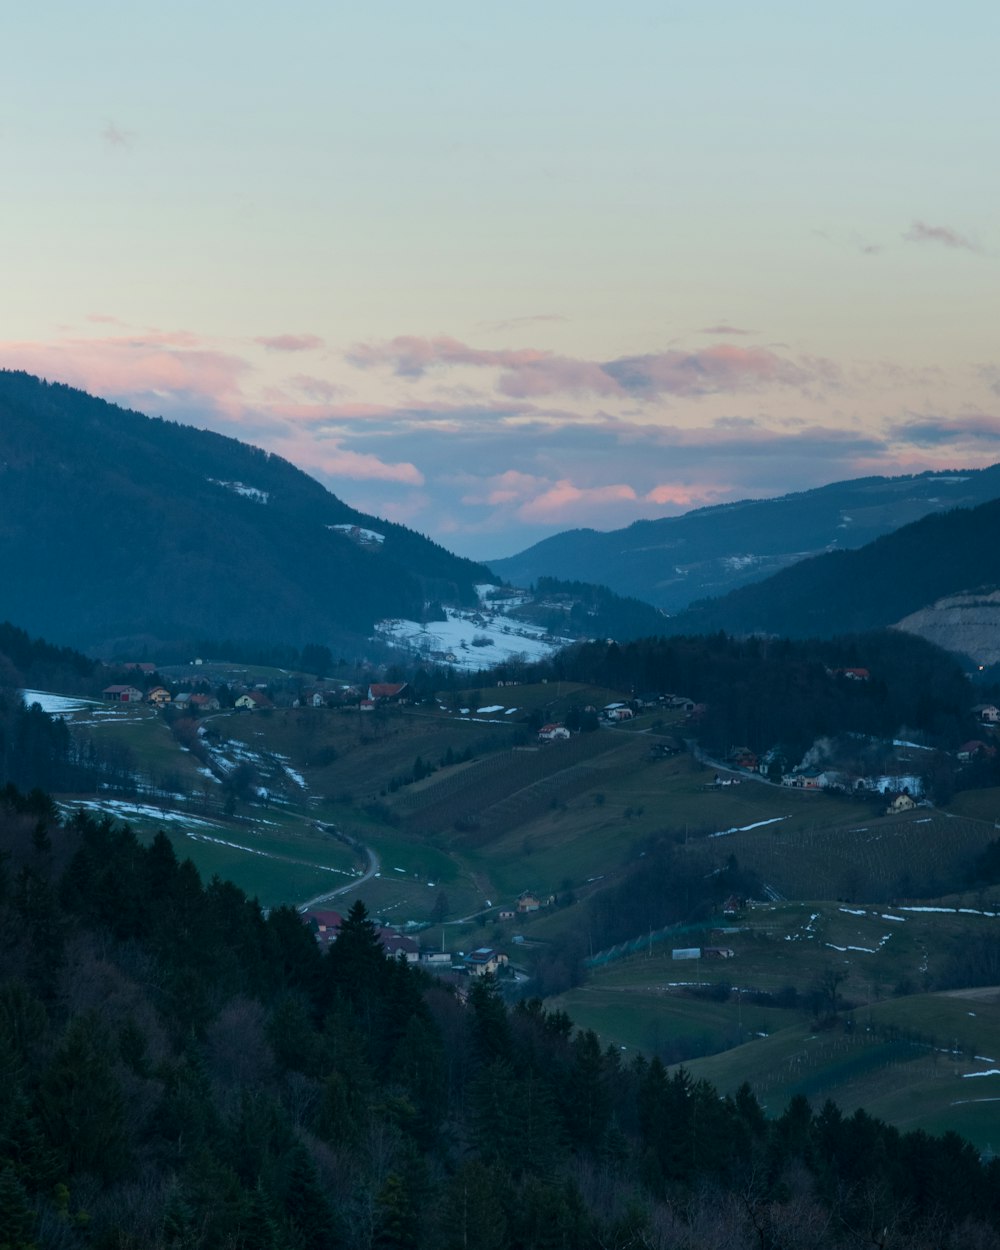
<point x="497" y="271"/>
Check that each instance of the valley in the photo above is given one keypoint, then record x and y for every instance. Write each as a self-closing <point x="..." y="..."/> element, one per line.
<point x="449" y="818"/>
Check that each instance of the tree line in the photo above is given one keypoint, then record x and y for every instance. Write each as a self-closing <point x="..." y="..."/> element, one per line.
<point x="182" y="1070"/>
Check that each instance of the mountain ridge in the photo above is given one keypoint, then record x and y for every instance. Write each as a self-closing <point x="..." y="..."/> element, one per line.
<point x="674" y="561"/>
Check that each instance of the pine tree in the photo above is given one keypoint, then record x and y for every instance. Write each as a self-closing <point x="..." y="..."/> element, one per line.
<point x="17" y="1219"/>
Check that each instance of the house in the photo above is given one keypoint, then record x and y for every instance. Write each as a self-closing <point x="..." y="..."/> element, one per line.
<point x="801" y="781"/>
<point x="975" y="749"/>
<point x="204" y="702"/>
<point x="133" y="667"/>
<point x="485" y="961"/>
<point x="386" y="691"/>
<point x="367" y="705"/>
<point x="901" y="803"/>
<point x="121" y="694"/>
<point x="159" y="695"/>
<point x="399" y="946"/>
<point x="717" y="952"/>
<point x="506" y="914"/>
<point x="552" y="733"/>
<point x="324" y="924"/>
<point x="618" y="713"/>
<point x="852" y="674"/>
<point x="528" y="902"/>
<point x="743" y="757"/>
<point x="733" y="905"/>
<point x="253" y="700"/>
<point x="988" y="713"/>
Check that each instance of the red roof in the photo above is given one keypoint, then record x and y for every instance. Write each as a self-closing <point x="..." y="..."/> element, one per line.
<point x="386" y="689"/>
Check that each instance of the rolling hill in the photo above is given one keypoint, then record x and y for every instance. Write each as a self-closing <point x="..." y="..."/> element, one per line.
<point x="118" y="528"/>
<point x="677" y="560"/>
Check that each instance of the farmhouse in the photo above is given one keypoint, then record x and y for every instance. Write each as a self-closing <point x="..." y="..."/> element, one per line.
<point x="158" y="696"/>
<point x="121" y="694"/>
<point x="528" y="902"/>
<point x="552" y="733"/>
<point x="988" y="713"/>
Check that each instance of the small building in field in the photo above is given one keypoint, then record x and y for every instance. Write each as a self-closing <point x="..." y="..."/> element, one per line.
<point x="158" y="696"/>
<point x="553" y="733"/>
<point x="506" y="914"/>
<point x="686" y="952"/>
<point x="528" y="902"/>
<point x="121" y="694"/>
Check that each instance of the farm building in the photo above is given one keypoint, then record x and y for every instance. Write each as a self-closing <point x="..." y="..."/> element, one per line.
<point x="121" y="694"/>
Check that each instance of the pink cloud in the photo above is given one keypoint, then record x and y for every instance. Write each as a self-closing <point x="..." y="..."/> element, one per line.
<point x="329" y="457"/>
<point x="921" y="232"/>
<point x="290" y="342"/>
<point x="154" y="367"/>
<point x="686" y="496"/>
<point x="563" y="498"/>
<point x="724" y="329"/>
<point x="412" y="357"/>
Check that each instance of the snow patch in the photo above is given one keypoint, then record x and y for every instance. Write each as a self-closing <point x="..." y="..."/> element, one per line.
<point x="55" y="704"/>
<point x="359" y="534"/>
<point x="241" y="488"/>
<point x="744" y="828"/>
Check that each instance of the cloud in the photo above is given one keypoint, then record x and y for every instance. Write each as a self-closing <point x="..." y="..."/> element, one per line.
<point x="529" y="372"/>
<point x="290" y="342"/>
<point x="960" y="431"/>
<point x="725" y="329"/>
<point x="921" y="232"/>
<point x="563" y="498"/>
<point x="157" y="371"/>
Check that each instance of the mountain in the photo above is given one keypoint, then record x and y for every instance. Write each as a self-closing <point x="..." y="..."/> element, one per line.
<point x="948" y="554"/>
<point x="118" y="527"/>
<point x="676" y="560"/>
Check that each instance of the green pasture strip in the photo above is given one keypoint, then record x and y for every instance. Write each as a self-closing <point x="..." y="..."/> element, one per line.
<point x="650" y="1021"/>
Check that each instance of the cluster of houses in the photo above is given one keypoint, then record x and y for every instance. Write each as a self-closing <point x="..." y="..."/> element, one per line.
<point x="254" y="699"/>
<point x="325" y="925"/>
<point x="160" y="696"/>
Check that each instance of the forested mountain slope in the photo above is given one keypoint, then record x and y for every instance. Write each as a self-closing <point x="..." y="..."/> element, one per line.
<point x="677" y="560"/>
<point x="852" y="591"/>
<point x="117" y="525"/>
